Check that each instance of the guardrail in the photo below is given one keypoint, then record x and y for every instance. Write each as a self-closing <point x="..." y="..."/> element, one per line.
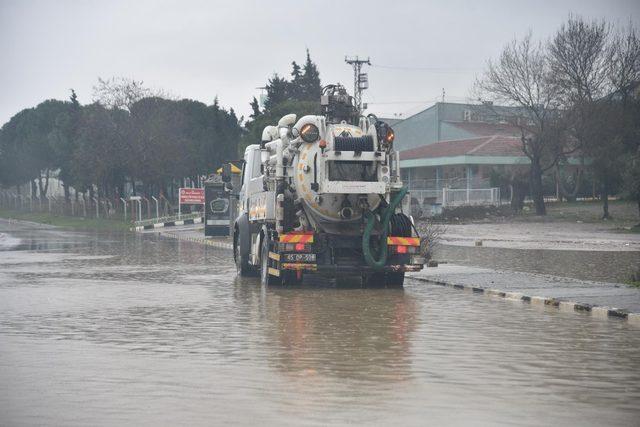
<point x="170" y="218"/>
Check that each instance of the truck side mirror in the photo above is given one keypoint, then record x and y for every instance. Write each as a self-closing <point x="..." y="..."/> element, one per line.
<point x="226" y="172"/>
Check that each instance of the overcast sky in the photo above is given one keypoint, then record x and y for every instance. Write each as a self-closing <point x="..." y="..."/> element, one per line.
<point x="198" y="50"/>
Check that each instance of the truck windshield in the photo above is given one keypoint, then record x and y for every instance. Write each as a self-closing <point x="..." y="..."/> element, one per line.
<point x="352" y="171"/>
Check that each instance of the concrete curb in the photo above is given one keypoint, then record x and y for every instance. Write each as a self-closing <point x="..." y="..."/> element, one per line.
<point x="201" y="240"/>
<point x="167" y="224"/>
<point x="596" y="311"/>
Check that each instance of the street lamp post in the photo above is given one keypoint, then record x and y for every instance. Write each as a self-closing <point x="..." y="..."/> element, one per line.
<point x="139" y="200"/>
<point x="124" y="203"/>
<point x="157" y="207"/>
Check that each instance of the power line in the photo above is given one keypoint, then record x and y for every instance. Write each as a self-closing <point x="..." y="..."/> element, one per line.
<point x="429" y="69"/>
<point x="401" y="102"/>
<point x="439" y="98"/>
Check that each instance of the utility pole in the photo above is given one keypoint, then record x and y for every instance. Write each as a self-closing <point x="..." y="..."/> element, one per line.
<point x="360" y="80"/>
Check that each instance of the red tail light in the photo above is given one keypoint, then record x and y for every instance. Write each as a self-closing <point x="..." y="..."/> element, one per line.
<point x="403" y="249"/>
<point x="300" y="247"/>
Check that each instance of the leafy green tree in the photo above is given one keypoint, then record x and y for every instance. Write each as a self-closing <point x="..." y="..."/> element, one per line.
<point x="176" y="139"/>
<point x="64" y="141"/>
<point x="102" y="157"/>
<point x="27" y="145"/>
<point x="15" y="162"/>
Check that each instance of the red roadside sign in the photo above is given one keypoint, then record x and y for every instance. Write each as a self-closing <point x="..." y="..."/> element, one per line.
<point x="191" y="196"/>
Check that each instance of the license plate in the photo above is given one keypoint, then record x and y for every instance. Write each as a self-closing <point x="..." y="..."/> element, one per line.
<point x="299" y="257"/>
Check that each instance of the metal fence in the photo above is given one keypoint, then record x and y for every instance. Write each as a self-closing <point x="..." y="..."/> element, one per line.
<point x="89" y="207"/>
<point x="455" y="183"/>
<point x="470" y="196"/>
<point x="456" y="197"/>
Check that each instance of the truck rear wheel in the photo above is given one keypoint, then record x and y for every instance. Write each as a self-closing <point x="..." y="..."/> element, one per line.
<point x="265" y="277"/>
<point x="374" y="280"/>
<point x="395" y="279"/>
<point x="350" y="281"/>
<point x="242" y="264"/>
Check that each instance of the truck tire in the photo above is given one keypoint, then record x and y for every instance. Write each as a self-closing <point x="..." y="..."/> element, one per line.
<point x="374" y="280"/>
<point x="395" y="279"/>
<point x="242" y="263"/>
<point x="349" y="281"/>
<point x="265" y="278"/>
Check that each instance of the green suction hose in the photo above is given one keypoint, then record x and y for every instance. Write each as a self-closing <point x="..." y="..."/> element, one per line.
<point x="367" y="250"/>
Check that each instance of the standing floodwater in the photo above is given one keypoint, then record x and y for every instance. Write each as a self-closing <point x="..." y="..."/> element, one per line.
<point x="100" y="329"/>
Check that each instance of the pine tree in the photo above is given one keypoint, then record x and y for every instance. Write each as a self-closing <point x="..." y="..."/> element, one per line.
<point x="311" y="86"/>
<point x="296" y="89"/>
<point x="277" y="92"/>
<point x="255" y="107"/>
<point x="300" y="95"/>
<point x="74" y="99"/>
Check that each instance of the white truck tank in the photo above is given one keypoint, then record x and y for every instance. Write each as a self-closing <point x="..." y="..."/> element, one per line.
<point x="333" y="179"/>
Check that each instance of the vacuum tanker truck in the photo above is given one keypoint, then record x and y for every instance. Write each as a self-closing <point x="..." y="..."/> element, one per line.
<point x="321" y="194"/>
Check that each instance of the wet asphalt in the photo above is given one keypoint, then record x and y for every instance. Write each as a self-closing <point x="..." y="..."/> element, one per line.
<point x="106" y="329"/>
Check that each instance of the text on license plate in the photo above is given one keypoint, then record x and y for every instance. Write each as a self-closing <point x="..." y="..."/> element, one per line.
<point x="299" y="257"/>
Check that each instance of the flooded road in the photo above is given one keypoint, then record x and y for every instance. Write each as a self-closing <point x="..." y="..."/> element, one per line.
<point x="104" y="329"/>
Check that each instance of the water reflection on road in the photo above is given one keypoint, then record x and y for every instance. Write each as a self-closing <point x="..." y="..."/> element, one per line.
<point x="344" y="333"/>
<point x="111" y="329"/>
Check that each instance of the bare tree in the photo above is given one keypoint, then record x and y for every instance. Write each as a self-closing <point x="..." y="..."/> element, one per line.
<point x="592" y="69"/>
<point x="624" y="61"/>
<point x="431" y="233"/>
<point x="520" y="79"/>
<point x="578" y="59"/>
<point x="624" y="76"/>
<point x="122" y="92"/>
<point x="579" y="65"/>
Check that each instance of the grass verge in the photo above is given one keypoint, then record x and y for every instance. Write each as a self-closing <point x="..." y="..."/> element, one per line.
<point x="67" y="221"/>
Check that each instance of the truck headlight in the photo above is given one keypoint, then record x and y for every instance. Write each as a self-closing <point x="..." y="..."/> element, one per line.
<point x="309" y="133"/>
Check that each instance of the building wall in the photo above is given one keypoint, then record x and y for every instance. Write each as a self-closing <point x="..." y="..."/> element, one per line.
<point x="417" y="130"/>
<point x="449" y="132"/>
<point x="430" y="125"/>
